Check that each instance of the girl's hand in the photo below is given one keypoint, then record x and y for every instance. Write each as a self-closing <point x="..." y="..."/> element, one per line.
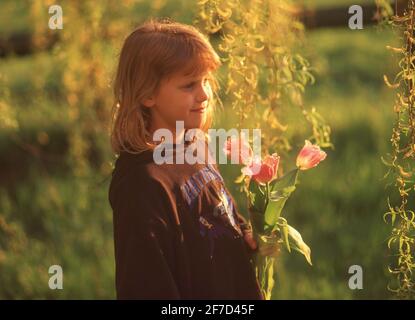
<point x="272" y="249"/>
<point x="270" y="246"/>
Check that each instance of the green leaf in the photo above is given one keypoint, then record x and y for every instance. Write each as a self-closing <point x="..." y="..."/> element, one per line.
<point x="273" y="211"/>
<point x="270" y="282"/>
<point x="281" y="189"/>
<point x="284" y="229"/>
<point x="287" y="180"/>
<point x="400" y="243"/>
<point x="391" y="241"/>
<point x="264" y="269"/>
<point x="257" y="196"/>
<point x="297" y="243"/>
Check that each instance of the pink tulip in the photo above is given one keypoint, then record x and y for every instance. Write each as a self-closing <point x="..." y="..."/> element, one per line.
<point x="240" y="148"/>
<point x="310" y="156"/>
<point x="263" y="171"/>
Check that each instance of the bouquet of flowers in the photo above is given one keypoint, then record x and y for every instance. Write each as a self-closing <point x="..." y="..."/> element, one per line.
<point x="267" y="194"/>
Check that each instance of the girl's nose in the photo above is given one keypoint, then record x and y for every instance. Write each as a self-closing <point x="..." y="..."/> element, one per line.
<point x="204" y="93"/>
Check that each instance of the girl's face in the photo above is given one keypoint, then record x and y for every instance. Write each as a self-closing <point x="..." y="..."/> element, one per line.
<point x="180" y="98"/>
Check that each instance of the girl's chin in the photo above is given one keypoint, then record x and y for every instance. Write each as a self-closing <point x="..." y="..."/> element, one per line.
<point x="195" y="123"/>
<point x="194" y="126"/>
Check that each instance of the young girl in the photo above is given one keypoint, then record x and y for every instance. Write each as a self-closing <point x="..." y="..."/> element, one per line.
<point x="177" y="231"/>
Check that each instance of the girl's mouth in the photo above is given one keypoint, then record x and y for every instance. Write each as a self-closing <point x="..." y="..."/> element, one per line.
<point x="200" y="110"/>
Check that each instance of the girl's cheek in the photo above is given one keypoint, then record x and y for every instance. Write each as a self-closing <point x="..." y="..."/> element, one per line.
<point x="190" y="98"/>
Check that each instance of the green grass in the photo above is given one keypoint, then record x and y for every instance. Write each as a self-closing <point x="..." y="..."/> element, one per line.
<point x="55" y="219"/>
<point x="14" y="17"/>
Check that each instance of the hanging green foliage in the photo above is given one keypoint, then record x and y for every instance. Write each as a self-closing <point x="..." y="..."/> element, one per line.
<point x="265" y="73"/>
<point x="399" y="161"/>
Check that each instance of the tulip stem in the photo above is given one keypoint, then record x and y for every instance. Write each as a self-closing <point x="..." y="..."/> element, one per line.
<point x="267" y="193"/>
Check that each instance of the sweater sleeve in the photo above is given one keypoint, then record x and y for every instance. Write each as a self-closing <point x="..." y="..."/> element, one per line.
<point x="243" y="223"/>
<point x="143" y="243"/>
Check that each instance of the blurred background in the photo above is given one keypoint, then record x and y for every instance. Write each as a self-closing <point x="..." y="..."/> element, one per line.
<point x="56" y="162"/>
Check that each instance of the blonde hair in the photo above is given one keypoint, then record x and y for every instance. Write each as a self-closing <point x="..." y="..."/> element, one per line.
<point x="154" y="51"/>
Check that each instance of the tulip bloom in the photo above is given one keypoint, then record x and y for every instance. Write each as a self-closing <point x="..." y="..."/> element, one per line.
<point x="310" y="156"/>
<point x="263" y="171"/>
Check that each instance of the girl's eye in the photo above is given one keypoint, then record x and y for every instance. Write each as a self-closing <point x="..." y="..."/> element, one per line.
<point x="192" y="84"/>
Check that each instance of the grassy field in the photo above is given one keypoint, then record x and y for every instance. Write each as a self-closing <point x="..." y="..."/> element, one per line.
<point x="338" y="207"/>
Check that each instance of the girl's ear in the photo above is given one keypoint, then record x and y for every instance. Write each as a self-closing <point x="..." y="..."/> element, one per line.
<point x="149" y="102"/>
